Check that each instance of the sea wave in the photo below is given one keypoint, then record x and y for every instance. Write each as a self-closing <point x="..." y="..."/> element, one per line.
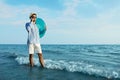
<point x="73" y="66"/>
<point x="8" y="54"/>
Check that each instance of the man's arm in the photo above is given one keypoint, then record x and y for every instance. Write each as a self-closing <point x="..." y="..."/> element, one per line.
<point x="27" y="25"/>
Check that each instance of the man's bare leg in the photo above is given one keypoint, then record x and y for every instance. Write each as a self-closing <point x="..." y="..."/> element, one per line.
<point x="31" y="60"/>
<point x="41" y="59"/>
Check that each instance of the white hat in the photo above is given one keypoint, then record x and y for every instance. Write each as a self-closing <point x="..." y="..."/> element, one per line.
<point x="31" y="14"/>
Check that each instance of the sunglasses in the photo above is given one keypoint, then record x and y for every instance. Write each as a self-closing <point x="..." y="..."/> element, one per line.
<point x="34" y="17"/>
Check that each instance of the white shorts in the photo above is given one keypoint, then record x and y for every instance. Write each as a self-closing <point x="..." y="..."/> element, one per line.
<point x="34" y="48"/>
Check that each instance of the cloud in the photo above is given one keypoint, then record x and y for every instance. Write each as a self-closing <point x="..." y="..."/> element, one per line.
<point x="5" y="11"/>
<point x="17" y="15"/>
<point x="68" y="22"/>
<point x="70" y="7"/>
<point x="68" y="17"/>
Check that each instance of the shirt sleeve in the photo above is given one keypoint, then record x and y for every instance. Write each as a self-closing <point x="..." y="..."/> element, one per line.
<point x="27" y="25"/>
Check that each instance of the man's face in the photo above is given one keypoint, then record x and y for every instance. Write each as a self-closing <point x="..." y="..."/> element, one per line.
<point x="34" y="18"/>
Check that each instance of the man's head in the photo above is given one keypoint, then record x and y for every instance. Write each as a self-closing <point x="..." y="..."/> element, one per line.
<point x="33" y="17"/>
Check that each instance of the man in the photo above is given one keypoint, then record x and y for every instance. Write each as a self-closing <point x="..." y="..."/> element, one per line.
<point x="33" y="40"/>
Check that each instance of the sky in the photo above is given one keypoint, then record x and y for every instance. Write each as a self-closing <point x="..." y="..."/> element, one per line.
<point x="68" y="21"/>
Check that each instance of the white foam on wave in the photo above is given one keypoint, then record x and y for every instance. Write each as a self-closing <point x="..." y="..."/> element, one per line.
<point x="73" y="66"/>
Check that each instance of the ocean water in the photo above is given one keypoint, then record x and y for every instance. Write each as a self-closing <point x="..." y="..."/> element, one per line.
<point x="62" y="62"/>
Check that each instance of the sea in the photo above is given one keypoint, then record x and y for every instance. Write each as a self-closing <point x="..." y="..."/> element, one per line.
<point x="62" y="62"/>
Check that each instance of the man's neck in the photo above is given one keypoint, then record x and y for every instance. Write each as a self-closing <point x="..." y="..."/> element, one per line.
<point x="33" y="22"/>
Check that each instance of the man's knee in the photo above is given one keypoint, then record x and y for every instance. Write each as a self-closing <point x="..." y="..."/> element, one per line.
<point x="30" y="55"/>
<point x="40" y="54"/>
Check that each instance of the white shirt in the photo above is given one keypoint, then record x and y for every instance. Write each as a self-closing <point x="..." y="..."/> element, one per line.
<point x="33" y="33"/>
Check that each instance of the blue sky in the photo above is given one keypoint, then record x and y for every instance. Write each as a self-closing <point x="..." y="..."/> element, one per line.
<point x="68" y="21"/>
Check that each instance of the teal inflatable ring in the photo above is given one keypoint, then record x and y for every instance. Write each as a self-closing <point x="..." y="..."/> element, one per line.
<point x="41" y="26"/>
